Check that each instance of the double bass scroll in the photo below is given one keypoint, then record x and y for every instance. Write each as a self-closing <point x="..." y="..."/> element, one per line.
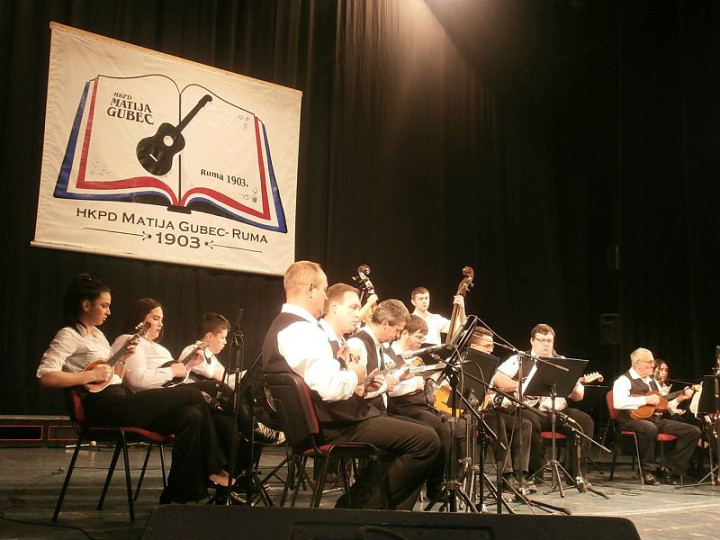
<point x="463" y="288"/>
<point x="367" y="291"/>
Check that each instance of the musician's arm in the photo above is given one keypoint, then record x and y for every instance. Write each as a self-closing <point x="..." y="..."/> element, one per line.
<point x="622" y="400"/>
<point x="306" y="350"/>
<point x="141" y="374"/>
<point x="578" y="393"/>
<point x="504" y="376"/>
<point x="63" y="347"/>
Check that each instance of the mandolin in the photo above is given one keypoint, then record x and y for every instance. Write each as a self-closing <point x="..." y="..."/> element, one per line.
<point x="646" y="411"/>
<point x="94" y="387"/>
<point x="200" y="347"/>
<point x="463" y="288"/>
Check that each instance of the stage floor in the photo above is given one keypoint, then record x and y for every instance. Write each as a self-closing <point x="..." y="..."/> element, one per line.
<point x="32" y="478"/>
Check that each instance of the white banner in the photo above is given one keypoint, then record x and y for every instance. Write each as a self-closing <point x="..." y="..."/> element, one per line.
<point x="154" y="157"/>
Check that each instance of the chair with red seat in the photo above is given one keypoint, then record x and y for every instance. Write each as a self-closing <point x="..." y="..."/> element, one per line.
<point x="662" y="438"/>
<point x="298" y="419"/>
<point x="120" y="435"/>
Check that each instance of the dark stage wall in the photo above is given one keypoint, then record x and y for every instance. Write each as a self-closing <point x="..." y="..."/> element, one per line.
<point x="525" y="139"/>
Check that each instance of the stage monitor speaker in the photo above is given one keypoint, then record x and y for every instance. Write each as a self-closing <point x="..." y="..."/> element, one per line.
<point x="610" y="329"/>
<point x="238" y="522"/>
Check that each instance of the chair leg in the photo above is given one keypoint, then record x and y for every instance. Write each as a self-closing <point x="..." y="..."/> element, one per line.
<point x="300" y="477"/>
<point x="66" y="483"/>
<point x="142" y="473"/>
<point x="290" y="478"/>
<point x="614" y="458"/>
<point x="639" y="463"/>
<point x="320" y="482"/>
<point x="128" y="482"/>
<point x="162" y="464"/>
<point x="111" y="470"/>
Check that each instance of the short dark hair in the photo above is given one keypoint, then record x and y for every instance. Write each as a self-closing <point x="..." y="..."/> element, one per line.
<point x="213" y="323"/>
<point x="541" y="328"/>
<point x="138" y="311"/>
<point x="82" y="287"/>
<point x="415" y="323"/>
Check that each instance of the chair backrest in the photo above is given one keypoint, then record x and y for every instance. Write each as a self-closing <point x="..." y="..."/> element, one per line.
<point x="295" y="408"/>
<point x="614" y="413"/>
<point x="76" y="411"/>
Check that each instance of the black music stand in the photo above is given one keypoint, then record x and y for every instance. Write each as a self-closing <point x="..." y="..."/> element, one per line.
<point x="478" y="370"/>
<point x="555" y="377"/>
<point x="709" y="403"/>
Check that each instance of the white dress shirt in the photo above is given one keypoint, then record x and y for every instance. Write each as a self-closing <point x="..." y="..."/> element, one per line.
<point x="307" y="351"/>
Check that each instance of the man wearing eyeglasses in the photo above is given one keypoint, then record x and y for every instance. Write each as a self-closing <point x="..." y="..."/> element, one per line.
<point x="508" y="375"/>
<point x="633" y="390"/>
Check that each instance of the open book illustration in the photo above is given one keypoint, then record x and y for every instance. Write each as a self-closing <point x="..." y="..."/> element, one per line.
<point x="143" y="139"/>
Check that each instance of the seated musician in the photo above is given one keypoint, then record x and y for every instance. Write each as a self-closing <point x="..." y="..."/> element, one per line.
<point x="386" y="323"/>
<point x="542" y="340"/>
<point x="408" y="399"/>
<point x="295" y="343"/>
<point x="180" y="411"/>
<point x="512" y="430"/>
<point x="209" y="375"/>
<point x="436" y="323"/>
<point x="636" y="388"/>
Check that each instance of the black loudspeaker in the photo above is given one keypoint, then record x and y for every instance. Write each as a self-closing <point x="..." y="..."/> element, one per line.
<point x="222" y="522"/>
<point x="610" y="329"/>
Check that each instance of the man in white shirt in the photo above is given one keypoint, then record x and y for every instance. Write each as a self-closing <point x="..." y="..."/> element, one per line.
<point x="508" y="375"/>
<point x="420" y="298"/>
<point x="634" y="389"/>
<point x="296" y="343"/>
<point x="385" y="325"/>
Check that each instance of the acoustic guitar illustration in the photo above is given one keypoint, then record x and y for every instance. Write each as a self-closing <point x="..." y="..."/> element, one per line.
<point x="156" y="153"/>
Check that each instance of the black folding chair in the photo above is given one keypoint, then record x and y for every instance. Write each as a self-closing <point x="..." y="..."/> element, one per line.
<point x="120" y="435"/>
<point x="296" y="412"/>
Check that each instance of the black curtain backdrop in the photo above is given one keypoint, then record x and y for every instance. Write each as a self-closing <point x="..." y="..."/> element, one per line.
<point x="564" y="149"/>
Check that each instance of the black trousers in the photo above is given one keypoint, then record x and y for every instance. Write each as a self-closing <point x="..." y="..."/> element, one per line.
<point x="537" y="445"/>
<point x="438" y="421"/>
<point x="647" y="431"/>
<point x="514" y="432"/>
<point x="181" y="411"/>
<point x="411" y="450"/>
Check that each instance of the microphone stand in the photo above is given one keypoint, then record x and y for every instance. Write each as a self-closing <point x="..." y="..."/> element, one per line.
<point x="452" y="489"/>
<point x="237" y="359"/>
<point x="577" y="431"/>
<point x="521" y="355"/>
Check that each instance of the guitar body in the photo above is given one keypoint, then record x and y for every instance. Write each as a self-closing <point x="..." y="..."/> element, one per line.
<point x="96" y="387"/>
<point x="442" y="394"/>
<point x="646" y="411"/>
<point x="156" y="153"/>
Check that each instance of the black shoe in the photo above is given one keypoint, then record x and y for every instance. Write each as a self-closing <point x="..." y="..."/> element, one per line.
<point x="668" y="477"/>
<point x="269" y="436"/>
<point x="512" y="486"/>
<point x="528" y="485"/>
<point x="650" y="480"/>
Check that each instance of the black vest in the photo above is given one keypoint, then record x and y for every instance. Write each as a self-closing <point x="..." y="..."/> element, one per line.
<point x="637" y="388"/>
<point x="413" y="399"/>
<point x="373" y="362"/>
<point x="344" y="411"/>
